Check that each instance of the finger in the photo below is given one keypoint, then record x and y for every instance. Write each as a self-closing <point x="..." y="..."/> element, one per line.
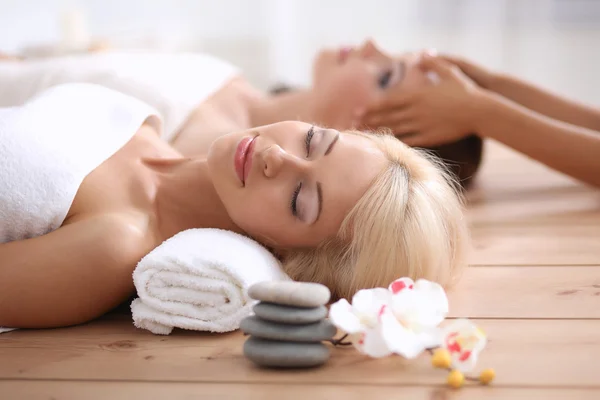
<point x="419" y="140"/>
<point x="464" y="65"/>
<point x="430" y="138"/>
<point x="411" y="139"/>
<point x="390" y="117"/>
<point x="442" y="68"/>
<point x="458" y="61"/>
<point x="405" y="130"/>
<point x="395" y="99"/>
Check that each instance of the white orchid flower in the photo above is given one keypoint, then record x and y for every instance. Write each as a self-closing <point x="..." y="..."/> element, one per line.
<point x="410" y="325"/>
<point x="464" y="341"/>
<point x="401" y="319"/>
<point x="420" y="305"/>
<point x="361" y="320"/>
<point x="404" y="319"/>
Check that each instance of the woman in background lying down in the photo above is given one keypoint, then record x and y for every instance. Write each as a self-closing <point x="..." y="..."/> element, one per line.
<point x="200" y="97"/>
<point x="94" y="179"/>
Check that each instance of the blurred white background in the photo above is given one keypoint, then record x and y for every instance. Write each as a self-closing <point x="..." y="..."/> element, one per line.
<point x="555" y="43"/>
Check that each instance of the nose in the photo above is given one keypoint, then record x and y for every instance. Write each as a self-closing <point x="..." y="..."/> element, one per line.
<point x="276" y="160"/>
<point x="368" y="49"/>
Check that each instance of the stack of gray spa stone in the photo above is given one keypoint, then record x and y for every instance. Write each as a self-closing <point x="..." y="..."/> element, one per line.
<point x="288" y="325"/>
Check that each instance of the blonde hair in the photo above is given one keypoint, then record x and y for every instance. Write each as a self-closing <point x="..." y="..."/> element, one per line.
<point x="410" y="222"/>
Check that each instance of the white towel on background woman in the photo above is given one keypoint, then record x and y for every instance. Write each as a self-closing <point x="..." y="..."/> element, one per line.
<point x="172" y="83"/>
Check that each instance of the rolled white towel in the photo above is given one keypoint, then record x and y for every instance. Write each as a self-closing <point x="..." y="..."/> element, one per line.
<point x="199" y="280"/>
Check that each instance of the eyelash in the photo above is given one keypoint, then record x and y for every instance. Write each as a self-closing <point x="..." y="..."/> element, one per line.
<point x="295" y="199"/>
<point x="384" y="80"/>
<point x="309" y="136"/>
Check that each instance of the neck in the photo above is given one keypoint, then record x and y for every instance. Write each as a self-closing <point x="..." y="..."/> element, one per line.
<point x="296" y="105"/>
<point x="186" y="198"/>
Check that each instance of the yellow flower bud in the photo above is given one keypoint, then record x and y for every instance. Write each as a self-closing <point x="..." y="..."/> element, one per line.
<point x="441" y="359"/>
<point x="487" y="376"/>
<point x="456" y="379"/>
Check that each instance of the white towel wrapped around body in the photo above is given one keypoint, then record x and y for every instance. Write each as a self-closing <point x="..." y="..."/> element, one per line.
<point x="199" y="280"/>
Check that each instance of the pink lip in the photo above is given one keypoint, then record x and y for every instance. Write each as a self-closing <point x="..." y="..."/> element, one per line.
<point x="243" y="158"/>
<point x="344" y="53"/>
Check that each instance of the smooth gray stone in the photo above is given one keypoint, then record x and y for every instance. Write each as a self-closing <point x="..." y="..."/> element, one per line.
<point x="298" y="294"/>
<point x="316" y="332"/>
<point x="289" y="314"/>
<point x="269" y="353"/>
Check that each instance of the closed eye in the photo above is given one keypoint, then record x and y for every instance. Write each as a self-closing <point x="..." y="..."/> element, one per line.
<point x="307" y="140"/>
<point x="294" y="202"/>
<point x="319" y="191"/>
<point x="385" y="78"/>
<point x="392" y="76"/>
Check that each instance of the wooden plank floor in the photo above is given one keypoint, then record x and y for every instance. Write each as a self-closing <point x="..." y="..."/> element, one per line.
<point x="534" y="287"/>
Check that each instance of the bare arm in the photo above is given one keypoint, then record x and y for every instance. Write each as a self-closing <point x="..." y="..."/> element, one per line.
<point x="533" y="97"/>
<point x="544" y="102"/>
<point x="570" y="149"/>
<point x="449" y="110"/>
<point x="68" y="276"/>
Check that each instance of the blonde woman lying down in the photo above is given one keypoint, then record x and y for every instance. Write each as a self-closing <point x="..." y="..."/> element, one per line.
<point x="345" y="208"/>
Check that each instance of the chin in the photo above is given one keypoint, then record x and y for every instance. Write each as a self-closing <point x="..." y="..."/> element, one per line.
<point x="222" y="148"/>
<point x="212" y="157"/>
<point x="218" y="160"/>
<point x="323" y="63"/>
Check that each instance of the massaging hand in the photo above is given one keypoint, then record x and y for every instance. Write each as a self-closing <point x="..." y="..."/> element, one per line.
<point x="478" y="73"/>
<point x="431" y="115"/>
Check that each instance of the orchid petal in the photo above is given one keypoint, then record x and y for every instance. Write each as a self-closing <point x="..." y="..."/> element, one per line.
<point x="399" y="339"/>
<point x="435" y="293"/>
<point x="400" y="285"/>
<point x="373" y="345"/>
<point x="424" y="307"/>
<point x="369" y="301"/>
<point x="430" y="338"/>
<point x="342" y="316"/>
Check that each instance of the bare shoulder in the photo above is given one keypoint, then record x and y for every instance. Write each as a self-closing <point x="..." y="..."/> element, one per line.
<point x="113" y="237"/>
